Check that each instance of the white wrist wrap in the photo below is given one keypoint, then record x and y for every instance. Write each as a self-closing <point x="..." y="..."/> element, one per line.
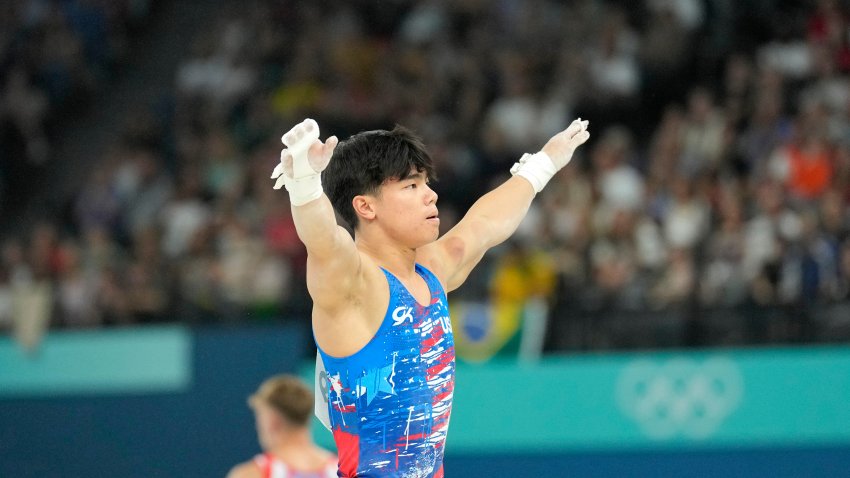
<point x="537" y="168"/>
<point x="305" y="189"/>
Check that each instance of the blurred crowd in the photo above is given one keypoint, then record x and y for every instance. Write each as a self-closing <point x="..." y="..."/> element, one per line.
<point x="718" y="174"/>
<point x="54" y="56"/>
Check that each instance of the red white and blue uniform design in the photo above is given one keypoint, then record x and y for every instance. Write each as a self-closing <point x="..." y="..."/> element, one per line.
<point x="389" y="403"/>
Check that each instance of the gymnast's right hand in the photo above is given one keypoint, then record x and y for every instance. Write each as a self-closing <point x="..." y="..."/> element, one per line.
<point x="302" y="161"/>
<point x="304" y="155"/>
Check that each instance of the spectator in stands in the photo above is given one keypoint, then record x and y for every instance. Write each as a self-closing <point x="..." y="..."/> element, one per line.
<point x="736" y="190"/>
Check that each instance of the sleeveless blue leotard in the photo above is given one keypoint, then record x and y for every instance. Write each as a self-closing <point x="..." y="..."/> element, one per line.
<point x="389" y="403"/>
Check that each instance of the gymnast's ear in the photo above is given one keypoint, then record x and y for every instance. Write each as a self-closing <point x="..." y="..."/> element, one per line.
<point x="364" y="207"/>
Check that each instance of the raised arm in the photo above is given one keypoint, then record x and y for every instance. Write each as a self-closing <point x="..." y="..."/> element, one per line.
<point x="497" y="214"/>
<point x="332" y="259"/>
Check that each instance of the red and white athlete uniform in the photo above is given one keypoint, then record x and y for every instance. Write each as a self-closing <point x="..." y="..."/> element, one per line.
<point x="273" y="467"/>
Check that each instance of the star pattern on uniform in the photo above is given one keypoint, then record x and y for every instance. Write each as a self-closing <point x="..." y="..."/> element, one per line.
<point x="374" y="381"/>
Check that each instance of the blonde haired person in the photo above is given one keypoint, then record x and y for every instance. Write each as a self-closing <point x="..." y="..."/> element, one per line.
<point x="283" y="406"/>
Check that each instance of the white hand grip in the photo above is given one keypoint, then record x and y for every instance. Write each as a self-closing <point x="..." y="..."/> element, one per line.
<point x="304" y="137"/>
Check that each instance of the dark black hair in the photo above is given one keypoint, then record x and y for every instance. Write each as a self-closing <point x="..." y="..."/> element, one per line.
<point x="365" y="161"/>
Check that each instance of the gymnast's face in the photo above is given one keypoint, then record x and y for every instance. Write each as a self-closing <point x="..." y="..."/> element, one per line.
<point x="405" y="210"/>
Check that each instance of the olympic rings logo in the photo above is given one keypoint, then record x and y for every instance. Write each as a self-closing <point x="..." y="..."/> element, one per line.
<point x="680" y="396"/>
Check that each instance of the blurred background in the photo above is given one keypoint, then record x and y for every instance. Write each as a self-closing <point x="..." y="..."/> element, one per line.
<point x="676" y="302"/>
